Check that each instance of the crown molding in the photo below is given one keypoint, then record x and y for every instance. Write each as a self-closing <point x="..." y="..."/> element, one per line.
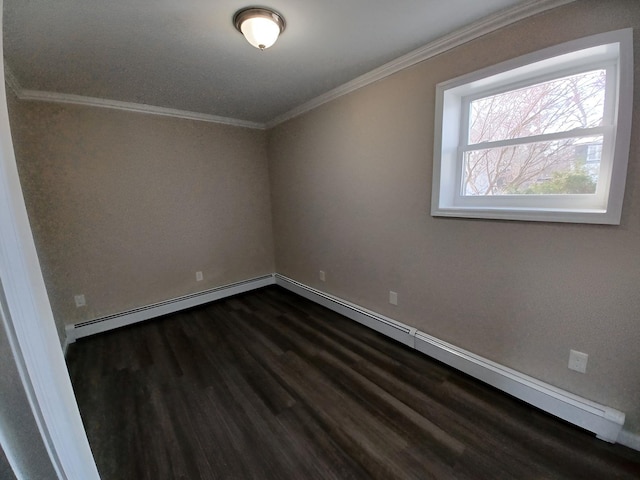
<point x="36" y="95"/>
<point x="466" y="34"/>
<point x="471" y="32"/>
<point x="54" y="97"/>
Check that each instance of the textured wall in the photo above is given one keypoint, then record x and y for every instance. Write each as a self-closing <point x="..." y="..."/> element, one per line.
<point x="351" y="189"/>
<point x="126" y="207"/>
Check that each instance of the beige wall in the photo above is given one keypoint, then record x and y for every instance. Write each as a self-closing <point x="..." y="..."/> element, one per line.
<point x="126" y="207"/>
<point x="351" y="189"/>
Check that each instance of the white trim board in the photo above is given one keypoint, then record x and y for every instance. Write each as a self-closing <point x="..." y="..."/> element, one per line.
<point x="54" y="97"/>
<point x="459" y="37"/>
<point x="36" y="95"/>
<point x="466" y="34"/>
<point x="111" y="322"/>
<point x="67" y="341"/>
<point x="396" y="330"/>
<point x="31" y="332"/>
<point x="629" y="439"/>
<point x="604" y="421"/>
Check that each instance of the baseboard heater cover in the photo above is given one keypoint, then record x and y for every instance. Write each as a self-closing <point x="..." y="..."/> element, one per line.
<point x="103" y="324"/>
<point x="628" y="439"/>
<point x="391" y="328"/>
<point x="604" y="421"/>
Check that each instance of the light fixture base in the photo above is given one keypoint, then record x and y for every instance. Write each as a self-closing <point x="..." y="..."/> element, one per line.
<point x="251" y="13"/>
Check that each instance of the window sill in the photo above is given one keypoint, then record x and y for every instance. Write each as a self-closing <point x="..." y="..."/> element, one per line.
<point x="530" y="215"/>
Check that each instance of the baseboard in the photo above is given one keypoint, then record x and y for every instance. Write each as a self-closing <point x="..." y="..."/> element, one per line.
<point x="396" y="330"/>
<point x="604" y="421"/>
<point x="99" y="325"/>
<point x="68" y="339"/>
<point x="628" y="439"/>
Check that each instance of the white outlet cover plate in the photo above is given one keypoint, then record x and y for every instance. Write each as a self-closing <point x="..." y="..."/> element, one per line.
<point x="393" y="298"/>
<point x="578" y="361"/>
<point x="80" y="300"/>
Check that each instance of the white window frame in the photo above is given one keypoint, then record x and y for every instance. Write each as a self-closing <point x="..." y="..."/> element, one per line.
<point x="611" y="50"/>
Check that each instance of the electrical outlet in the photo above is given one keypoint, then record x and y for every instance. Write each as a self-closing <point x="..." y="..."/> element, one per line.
<point x="323" y="277"/>
<point x="198" y="276"/>
<point x="80" y="301"/>
<point x="578" y="361"/>
<point x="393" y="298"/>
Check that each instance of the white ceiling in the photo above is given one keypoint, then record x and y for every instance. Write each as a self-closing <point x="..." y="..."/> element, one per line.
<point x="186" y="54"/>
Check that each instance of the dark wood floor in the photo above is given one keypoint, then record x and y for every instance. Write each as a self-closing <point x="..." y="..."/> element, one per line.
<point x="6" y="473"/>
<point x="267" y="385"/>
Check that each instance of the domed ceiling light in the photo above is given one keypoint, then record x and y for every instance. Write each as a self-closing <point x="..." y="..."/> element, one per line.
<point x="260" y="26"/>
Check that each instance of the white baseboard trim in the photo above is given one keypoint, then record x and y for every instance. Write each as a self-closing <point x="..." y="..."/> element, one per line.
<point x="604" y="421"/>
<point x="628" y="439"/>
<point x="99" y="325"/>
<point x="396" y="330"/>
<point x="68" y="339"/>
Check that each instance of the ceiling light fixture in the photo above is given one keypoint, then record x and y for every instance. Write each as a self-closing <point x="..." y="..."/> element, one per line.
<point x="260" y="26"/>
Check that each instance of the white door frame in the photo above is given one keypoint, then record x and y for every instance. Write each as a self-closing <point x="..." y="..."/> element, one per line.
<point x="30" y="325"/>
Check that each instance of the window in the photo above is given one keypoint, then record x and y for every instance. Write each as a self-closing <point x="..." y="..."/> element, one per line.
<point x="542" y="137"/>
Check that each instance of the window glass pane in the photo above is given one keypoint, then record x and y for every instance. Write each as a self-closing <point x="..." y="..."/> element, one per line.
<point x="568" y="166"/>
<point x="563" y="104"/>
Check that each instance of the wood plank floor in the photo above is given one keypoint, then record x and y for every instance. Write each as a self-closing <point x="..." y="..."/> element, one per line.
<point x="6" y="473"/>
<point x="268" y="385"/>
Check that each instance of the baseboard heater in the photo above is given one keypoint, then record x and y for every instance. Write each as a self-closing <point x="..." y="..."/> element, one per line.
<point x="103" y="324"/>
<point x="604" y="421"/>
